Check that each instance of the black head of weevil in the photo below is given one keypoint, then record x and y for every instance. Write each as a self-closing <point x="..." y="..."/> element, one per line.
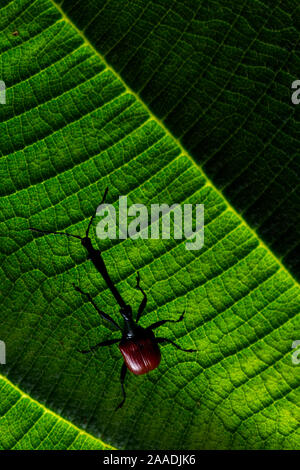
<point x="139" y="346"/>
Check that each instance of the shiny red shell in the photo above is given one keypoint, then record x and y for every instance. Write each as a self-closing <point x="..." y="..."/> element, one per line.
<point x="141" y="354"/>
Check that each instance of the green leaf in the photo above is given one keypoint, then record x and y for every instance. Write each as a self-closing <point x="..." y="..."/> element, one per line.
<point x="25" y="424"/>
<point x="219" y="75"/>
<point x="71" y="128"/>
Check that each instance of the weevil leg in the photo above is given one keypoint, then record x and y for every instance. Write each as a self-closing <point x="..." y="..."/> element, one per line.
<point x="98" y="345"/>
<point x="144" y="301"/>
<point x="166" y="340"/>
<point x="101" y="313"/>
<point x="93" y="216"/>
<point x="70" y="234"/>
<point x="122" y="379"/>
<point x="55" y="233"/>
<point x="162" y="322"/>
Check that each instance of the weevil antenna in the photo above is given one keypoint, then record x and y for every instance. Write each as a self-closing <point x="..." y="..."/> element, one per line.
<point x="56" y="233"/>
<point x="93" y="216"/>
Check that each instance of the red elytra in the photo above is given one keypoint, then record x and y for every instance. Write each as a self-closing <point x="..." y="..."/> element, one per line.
<point x="141" y="354"/>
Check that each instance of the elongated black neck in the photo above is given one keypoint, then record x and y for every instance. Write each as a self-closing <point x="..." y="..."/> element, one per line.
<point x="97" y="260"/>
<point x="131" y="329"/>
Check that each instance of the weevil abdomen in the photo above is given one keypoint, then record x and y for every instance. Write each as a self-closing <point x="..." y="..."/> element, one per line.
<point x="141" y="353"/>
